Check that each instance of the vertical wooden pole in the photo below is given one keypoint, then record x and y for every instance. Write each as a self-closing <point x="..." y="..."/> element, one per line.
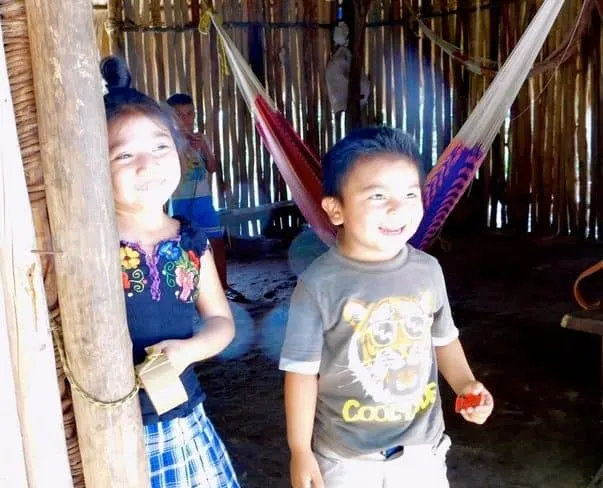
<point x="114" y="21"/>
<point x="73" y="143"/>
<point x="357" y="12"/>
<point x="32" y="447"/>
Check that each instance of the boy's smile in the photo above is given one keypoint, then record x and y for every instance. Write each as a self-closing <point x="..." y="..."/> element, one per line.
<point x="380" y="207"/>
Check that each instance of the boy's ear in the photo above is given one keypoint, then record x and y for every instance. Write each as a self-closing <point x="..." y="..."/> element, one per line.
<point x="332" y="207"/>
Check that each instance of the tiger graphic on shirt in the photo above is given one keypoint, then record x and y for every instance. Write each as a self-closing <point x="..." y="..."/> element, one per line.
<point x="390" y="355"/>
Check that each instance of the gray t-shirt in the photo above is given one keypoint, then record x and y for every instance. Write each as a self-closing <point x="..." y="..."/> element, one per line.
<point x="369" y="331"/>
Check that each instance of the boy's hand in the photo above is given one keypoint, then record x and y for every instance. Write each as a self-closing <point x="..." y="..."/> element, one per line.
<point x="304" y="470"/>
<point x="176" y="351"/>
<point x="479" y="414"/>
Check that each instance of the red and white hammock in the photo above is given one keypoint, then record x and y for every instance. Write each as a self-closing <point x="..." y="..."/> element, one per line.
<point x="456" y="167"/>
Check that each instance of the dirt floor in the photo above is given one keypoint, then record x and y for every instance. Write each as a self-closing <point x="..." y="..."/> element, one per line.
<point x="508" y="296"/>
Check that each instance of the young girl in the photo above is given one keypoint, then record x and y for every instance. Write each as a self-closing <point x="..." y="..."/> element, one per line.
<point x="168" y="277"/>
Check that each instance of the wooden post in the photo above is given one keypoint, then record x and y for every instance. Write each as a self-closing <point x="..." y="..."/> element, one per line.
<point x="73" y="144"/>
<point x="113" y="26"/>
<point x="33" y="449"/>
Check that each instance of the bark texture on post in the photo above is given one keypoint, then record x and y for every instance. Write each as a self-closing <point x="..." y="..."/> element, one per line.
<point x="73" y="143"/>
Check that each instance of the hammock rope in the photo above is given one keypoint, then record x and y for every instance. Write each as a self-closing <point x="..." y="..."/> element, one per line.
<point x="487" y="67"/>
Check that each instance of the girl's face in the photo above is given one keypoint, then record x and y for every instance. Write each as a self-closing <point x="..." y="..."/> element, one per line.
<point x="145" y="167"/>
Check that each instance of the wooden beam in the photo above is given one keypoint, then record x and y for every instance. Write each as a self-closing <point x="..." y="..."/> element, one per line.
<point x="32" y="445"/>
<point x="590" y="321"/>
<point x="74" y="153"/>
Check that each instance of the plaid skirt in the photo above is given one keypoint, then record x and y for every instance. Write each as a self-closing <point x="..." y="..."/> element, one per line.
<point x="186" y="452"/>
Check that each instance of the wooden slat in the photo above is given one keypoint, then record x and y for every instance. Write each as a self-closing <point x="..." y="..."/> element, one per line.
<point x="428" y="102"/>
<point x="216" y="89"/>
<point x="138" y="71"/>
<point x="581" y="137"/>
<point x="170" y="48"/>
<point x="590" y="321"/>
<point x="30" y="402"/>
<point x="148" y="43"/>
<point x="378" y="66"/>
<point x="155" y="7"/>
<point x="388" y="51"/>
<point x="446" y="80"/>
<point x="596" y="138"/>
<point x="397" y="53"/>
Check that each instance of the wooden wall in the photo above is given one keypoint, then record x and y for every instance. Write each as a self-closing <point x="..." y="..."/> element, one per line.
<point x="544" y="173"/>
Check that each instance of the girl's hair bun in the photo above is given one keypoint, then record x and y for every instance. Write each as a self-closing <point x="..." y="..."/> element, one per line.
<point x="115" y="72"/>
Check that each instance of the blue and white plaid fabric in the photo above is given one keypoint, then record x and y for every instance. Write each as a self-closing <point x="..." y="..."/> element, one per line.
<point x="186" y="452"/>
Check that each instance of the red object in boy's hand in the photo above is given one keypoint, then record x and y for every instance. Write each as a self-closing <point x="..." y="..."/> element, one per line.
<point x="466" y="401"/>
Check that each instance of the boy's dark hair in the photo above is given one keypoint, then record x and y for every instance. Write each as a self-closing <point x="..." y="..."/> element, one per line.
<point x="180" y="99"/>
<point x="368" y="141"/>
<point x="121" y="99"/>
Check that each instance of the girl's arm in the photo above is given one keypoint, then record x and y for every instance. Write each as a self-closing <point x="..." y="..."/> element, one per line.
<point x="218" y="328"/>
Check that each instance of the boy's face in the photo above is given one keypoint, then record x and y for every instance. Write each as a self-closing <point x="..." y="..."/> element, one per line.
<point x="186" y="114"/>
<point x="380" y="207"/>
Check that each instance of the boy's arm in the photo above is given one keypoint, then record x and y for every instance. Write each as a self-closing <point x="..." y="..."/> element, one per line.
<point x="453" y="365"/>
<point x="301" y="391"/>
<point x="300" y="359"/>
<point x="300" y="405"/>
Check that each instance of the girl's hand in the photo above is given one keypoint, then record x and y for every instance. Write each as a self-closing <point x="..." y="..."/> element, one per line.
<point x="177" y="352"/>
<point x="304" y="470"/>
<point x="479" y="414"/>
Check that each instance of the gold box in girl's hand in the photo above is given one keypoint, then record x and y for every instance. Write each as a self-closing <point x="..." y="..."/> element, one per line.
<point x="161" y="382"/>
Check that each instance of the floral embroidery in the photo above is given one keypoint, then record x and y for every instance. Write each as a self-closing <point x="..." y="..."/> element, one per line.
<point x="130" y="258"/>
<point x="170" y="250"/>
<point x="183" y="273"/>
<point x="185" y="279"/>
<point x="125" y="281"/>
<point x="194" y="258"/>
<point x="138" y="280"/>
<point x="180" y="270"/>
<point x="168" y="272"/>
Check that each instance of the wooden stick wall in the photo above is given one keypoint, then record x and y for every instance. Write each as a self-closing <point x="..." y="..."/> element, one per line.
<point x="544" y="173"/>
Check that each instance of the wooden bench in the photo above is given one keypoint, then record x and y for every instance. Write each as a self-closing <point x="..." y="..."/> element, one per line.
<point x="267" y="219"/>
<point x="590" y="321"/>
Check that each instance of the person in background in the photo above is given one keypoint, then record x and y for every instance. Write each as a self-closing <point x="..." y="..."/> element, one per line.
<point x="193" y="199"/>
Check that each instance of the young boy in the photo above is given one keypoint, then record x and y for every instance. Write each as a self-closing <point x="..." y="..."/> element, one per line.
<point x="193" y="198"/>
<point x="369" y="327"/>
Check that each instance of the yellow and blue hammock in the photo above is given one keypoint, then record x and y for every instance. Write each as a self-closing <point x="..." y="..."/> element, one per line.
<point x="456" y="167"/>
